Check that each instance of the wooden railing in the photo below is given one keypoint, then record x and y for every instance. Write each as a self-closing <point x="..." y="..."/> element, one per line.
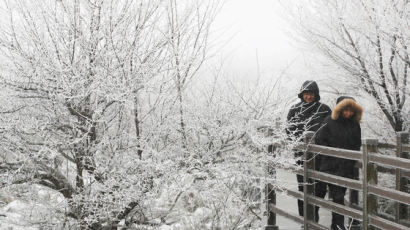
<point x="371" y="163"/>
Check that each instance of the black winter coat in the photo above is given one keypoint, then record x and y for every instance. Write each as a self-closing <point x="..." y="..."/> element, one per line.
<point x="306" y="117"/>
<point x="339" y="132"/>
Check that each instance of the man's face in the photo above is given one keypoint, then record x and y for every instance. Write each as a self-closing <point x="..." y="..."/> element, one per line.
<point x="308" y="97"/>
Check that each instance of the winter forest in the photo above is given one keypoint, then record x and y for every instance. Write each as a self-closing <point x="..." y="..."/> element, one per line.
<point x="123" y="114"/>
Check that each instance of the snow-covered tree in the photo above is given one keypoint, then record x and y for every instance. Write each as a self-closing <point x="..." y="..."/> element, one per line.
<point x="103" y="123"/>
<point x="78" y="80"/>
<point x="369" y="41"/>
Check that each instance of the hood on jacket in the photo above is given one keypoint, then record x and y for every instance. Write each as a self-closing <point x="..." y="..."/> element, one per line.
<point x="309" y="86"/>
<point x="345" y="101"/>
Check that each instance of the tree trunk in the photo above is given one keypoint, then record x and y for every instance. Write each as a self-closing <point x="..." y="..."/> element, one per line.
<point x="181" y="113"/>
<point x="137" y="127"/>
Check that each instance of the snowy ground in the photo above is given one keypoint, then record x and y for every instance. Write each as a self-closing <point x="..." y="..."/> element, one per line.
<point x="290" y="204"/>
<point x="21" y="212"/>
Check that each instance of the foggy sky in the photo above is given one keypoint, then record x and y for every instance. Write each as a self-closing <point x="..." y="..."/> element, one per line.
<point x="258" y="29"/>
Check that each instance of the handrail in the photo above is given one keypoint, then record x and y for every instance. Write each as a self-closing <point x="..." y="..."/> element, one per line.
<point x="386" y="145"/>
<point x="398" y="165"/>
<point x="390" y="194"/>
<point x="297" y="219"/>
<point x="342" y="209"/>
<point x="283" y="213"/>
<point x="348" y="211"/>
<point x="386" y="224"/>
<point x="330" y="151"/>
<point x="380" y="169"/>
<point x="349" y="183"/>
<point x="396" y="162"/>
<point x="345" y="210"/>
<point x="388" y="169"/>
<point x="405" y="148"/>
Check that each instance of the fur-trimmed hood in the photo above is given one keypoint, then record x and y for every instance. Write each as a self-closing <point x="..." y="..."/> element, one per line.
<point x="342" y="103"/>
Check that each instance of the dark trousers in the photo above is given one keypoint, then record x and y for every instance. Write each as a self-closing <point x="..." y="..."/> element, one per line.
<point x="320" y="191"/>
<point x="337" y="194"/>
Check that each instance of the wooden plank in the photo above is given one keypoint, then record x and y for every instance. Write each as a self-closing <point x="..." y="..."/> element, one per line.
<point x="329" y="151"/>
<point x="317" y="226"/>
<point x="292" y="168"/>
<point x="275" y="209"/>
<point x="342" y="209"/>
<point x="396" y="162"/>
<point x="386" y="224"/>
<point x="295" y="194"/>
<point x="297" y="219"/>
<point x="386" y="146"/>
<point x="392" y="194"/>
<point x="384" y="169"/>
<point x="405" y="148"/>
<point x="380" y="169"/>
<point x="345" y="210"/>
<point x="346" y="182"/>
<point x="389" y="161"/>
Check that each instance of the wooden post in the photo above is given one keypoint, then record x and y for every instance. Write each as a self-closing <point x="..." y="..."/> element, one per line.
<point x="270" y="195"/>
<point x="308" y="184"/>
<point x="369" y="178"/>
<point x="401" y="182"/>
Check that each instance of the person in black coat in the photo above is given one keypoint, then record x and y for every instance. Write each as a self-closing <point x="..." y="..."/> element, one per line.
<point x="340" y="130"/>
<point x="307" y="115"/>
